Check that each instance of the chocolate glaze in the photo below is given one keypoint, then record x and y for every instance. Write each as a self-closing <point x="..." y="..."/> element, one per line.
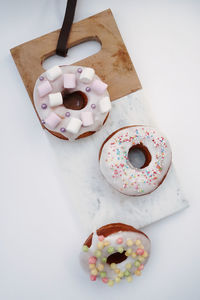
<point x="110" y="229"/>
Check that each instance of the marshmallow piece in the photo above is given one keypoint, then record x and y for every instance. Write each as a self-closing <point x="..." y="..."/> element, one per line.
<point x="55" y="99"/>
<point x="44" y="88"/>
<point x="53" y="120"/>
<point x="87" y="118"/>
<point x="105" y="105"/>
<point x="98" y="86"/>
<point x="87" y="75"/>
<point x="69" y="81"/>
<point x="74" y="125"/>
<point x="53" y="73"/>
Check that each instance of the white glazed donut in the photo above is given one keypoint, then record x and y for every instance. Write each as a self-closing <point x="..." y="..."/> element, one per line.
<point x="115" y="252"/>
<point x="71" y="101"/>
<point x="121" y="174"/>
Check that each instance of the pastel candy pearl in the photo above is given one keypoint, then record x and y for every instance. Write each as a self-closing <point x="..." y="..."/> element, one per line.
<point x="74" y="125"/>
<point x="105" y="105"/>
<point x="129" y="243"/>
<point x="93" y="277"/>
<point x="105" y="280"/>
<point x="69" y="81"/>
<point x="55" y="99"/>
<point x="119" y="241"/>
<point x="141" y="267"/>
<point x="140" y="251"/>
<point x="52" y="120"/>
<point x="53" y="73"/>
<point x="99" y="86"/>
<point x="92" y="260"/>
<point x="87" y="75"/>
<point x="87" y="118"/>
<point x="101" y="238"/>
<point x="44" y="88"/>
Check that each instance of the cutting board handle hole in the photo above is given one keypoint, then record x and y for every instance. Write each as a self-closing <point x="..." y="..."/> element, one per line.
<point x="75" y="54"/>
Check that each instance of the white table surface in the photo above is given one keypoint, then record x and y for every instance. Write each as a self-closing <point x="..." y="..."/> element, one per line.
<point x="39" y="237"/>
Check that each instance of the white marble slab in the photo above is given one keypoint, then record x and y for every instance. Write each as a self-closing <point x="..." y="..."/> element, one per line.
<point x="92" y="200"/>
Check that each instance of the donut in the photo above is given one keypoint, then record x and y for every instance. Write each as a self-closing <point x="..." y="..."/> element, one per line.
<point x="115" y="252"/>
<point x="122" y="175"/>
<point x="71" y="101"/>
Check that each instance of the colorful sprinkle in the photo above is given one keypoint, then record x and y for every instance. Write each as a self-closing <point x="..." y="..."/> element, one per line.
<point x="93" y="277"/>
<point x="110" y="282"/>
<point x="92" y="260"/>
<point x="110" y="250"/>
<point x="140" y="251"/>
<point x="103" y="274"/>
<point x="120" y="249"/>
<point x="105" y="280"/>
<point x="129" y="243"/>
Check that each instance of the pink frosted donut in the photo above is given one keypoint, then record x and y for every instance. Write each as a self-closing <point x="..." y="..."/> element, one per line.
<point x="71" y="101"/>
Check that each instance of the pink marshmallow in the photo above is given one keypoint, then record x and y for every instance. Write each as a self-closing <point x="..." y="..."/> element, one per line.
<point x="69" y="81"/>
<point x="44" y="88"/>
<point x="87" y="118"/>
<point x="53" y="120"/>
<point x="98" y="86"/>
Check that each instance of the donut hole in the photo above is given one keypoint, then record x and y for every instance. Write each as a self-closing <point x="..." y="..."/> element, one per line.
<point x="139" y="156"/>
<point x="75" y="101"/>
<point x="116" y="258"/>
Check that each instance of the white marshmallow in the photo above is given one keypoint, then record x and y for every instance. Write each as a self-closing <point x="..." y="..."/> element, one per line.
<point x="74" y="125"/>
<point x="55" y="99"/>
<point x="87" y="75"/>
<point x="53" y="73"/>
<point x="105" y="105"/>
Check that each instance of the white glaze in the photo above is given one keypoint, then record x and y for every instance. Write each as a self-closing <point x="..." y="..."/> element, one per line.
<point x="126" y="235"/>
<point x="58" y="86"/>
<point x="118" y="171"/>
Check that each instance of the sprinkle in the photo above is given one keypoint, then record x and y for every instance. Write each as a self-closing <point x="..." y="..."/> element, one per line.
<point x="110" y="250"/>
<point x="120" y="249"/>
<point x="129" y="278"/>
<point x="110" y="282"/>
<point x="117" y="271"/>
<point x="97" y="253"/>
<point x="103" y="274"/>
<point x="119" y="241"/>
<point x="85" y="248"/>
<point x="92" y="260"/>
<point x="93" y="277"/>
<point x="105" y="280"/>
<point x="121" y="274"/>
<point x="129" y="243"/>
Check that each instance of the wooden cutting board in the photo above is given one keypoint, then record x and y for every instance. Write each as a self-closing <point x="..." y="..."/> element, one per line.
<point x="112" y="63"/>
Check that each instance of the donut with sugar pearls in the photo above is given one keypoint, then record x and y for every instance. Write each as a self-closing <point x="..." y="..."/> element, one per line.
<point x="115" y="252"/>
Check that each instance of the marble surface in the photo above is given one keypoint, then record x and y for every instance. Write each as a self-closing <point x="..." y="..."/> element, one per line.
<point x="95" y="202"/>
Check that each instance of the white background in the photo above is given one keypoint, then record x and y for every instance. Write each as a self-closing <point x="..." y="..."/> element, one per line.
<point x="39" y="237"/>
